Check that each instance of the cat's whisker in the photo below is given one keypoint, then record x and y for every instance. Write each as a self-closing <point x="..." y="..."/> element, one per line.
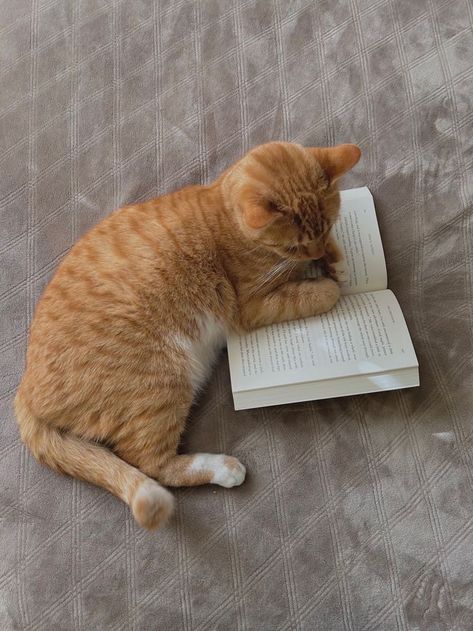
<point x="281" y="271"/>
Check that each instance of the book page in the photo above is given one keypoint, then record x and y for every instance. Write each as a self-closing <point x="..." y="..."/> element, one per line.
<point x="357" y="234"/>
<point x="364" y="333"/>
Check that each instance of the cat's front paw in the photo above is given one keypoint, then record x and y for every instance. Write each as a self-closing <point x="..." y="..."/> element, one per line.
<point x="328" y="293"/>
<point x="338" y="271"/>
<point x="333" y="263"/>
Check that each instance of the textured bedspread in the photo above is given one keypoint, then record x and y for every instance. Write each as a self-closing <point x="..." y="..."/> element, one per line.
<point x="357" y="513"/>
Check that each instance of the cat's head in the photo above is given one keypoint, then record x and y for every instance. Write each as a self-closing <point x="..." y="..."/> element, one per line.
<point x="286" y="198"/>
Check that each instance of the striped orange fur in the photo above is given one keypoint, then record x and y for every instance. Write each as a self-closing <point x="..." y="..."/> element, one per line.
<point x="128" y="328"/>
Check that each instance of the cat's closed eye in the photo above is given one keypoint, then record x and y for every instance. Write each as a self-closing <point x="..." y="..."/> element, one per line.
<point x="274" y="207"/>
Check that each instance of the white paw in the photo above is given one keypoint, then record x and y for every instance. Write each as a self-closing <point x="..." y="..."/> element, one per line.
<point x="229" y="475"/>
<point x="227" y="471"/>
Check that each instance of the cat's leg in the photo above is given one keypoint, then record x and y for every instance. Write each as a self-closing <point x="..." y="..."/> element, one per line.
<point x="290" y="301"/>
<point x="197" y="469"/>
<point x="333" y="261"/>
<point x="150" y="444"/>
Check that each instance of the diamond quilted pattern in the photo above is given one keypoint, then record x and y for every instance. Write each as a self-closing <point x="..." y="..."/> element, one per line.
<point x="356" y="513"/>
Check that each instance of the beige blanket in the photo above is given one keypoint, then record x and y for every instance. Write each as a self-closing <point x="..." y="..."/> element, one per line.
<point x="357" y="513"/>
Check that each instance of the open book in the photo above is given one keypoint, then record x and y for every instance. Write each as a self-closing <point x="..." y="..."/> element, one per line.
<point x="362" y="345"/>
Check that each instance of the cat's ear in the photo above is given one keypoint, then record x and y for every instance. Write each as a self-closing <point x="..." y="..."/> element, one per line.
<point x="335" y="161"/>
<point x="258" y="214"/>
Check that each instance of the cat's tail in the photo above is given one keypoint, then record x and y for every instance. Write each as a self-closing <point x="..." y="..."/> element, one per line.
<point x="151" y="503"/>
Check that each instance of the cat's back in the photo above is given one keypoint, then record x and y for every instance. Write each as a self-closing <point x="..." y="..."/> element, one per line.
<point x="127" y="290"/>
<point x="136" y="256"/>
<point x="126" y="287"/>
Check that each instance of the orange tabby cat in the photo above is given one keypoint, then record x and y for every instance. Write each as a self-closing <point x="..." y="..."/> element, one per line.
<point x="128" y="329"/>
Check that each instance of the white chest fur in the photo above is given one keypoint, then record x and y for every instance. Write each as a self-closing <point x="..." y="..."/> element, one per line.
<point x="202" y="353"/>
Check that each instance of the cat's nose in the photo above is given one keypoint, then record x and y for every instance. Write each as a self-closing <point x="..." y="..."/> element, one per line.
<point x="316" y="250"/>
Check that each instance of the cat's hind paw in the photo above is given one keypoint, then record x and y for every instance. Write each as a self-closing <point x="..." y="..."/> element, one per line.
<point x="230" y="473"/>
<point x="223" y="470"/>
